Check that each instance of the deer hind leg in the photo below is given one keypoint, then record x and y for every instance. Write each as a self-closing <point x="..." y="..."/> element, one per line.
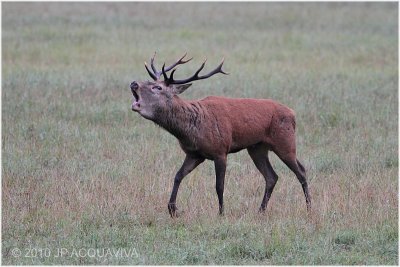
<point x="303" y="181"/>
<point x="220" y="168"/>
<point x="295" y="166"/>
<point x="188" y="165"/>
<point x="259" y="155"/>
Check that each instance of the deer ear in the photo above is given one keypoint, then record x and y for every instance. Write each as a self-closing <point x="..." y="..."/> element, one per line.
<point x="178" y="89"/>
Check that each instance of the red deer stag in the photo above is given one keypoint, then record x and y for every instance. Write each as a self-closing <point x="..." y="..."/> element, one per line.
<point x="213" y="127"/>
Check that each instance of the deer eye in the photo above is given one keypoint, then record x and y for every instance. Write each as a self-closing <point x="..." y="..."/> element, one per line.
<point x="157" y="87"/>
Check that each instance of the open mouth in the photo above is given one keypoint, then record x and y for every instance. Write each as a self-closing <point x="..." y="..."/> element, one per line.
<point x="135" y="104"/>
<point x="135" y="95"/>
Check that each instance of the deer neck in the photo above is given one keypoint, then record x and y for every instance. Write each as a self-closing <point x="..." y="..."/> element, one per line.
<point x="180" y="118"/>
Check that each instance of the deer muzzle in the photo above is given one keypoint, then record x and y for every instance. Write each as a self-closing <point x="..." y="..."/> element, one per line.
<point x="135" y="104"/>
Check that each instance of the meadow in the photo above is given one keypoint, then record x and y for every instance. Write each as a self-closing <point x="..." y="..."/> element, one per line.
<point x="81" y="171"/>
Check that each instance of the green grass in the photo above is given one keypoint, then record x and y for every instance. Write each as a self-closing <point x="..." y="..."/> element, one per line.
<point x="81" y="171"/>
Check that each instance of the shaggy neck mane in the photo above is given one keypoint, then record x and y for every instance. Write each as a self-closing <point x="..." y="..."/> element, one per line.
<point x="180" y="118"/>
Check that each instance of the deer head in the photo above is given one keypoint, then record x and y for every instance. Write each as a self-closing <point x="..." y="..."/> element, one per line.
<point x="152" y="97"/>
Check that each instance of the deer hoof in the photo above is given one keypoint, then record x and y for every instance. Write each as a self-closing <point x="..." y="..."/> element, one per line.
<point x="261" y="210"/>
<point x="172" y="210"/>
<point x="221" y="212"/>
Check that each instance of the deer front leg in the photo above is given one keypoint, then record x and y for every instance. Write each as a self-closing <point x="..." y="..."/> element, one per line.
<point x="188" y="165"/>
<point x="220" y="168"/>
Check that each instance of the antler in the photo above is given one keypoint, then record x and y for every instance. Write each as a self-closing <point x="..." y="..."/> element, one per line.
<point x="195" y="76"/>
<point x="157" y="74"/>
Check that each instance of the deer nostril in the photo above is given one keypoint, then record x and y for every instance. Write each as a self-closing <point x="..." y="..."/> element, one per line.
<point x="134" y="85"/>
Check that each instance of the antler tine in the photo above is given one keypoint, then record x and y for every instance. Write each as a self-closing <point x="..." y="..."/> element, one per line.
<point x="196" y="76"/>
<point x="179" y="62"/>
<point x="166" y="79"/>
<point x="152" y="64"/>
<point x="220" y="67"/>
<point x="215" y="71"/>
<point x="201" y="67"/>
<point x="152" y="75"/>
<point x="171" y="77"/>
<point x="155" y="74"/>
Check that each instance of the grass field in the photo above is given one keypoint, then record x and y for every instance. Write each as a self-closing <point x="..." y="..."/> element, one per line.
<point x="81" y="171"/>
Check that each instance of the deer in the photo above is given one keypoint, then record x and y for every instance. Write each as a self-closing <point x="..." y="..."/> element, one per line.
<point x="215" y="126"/>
